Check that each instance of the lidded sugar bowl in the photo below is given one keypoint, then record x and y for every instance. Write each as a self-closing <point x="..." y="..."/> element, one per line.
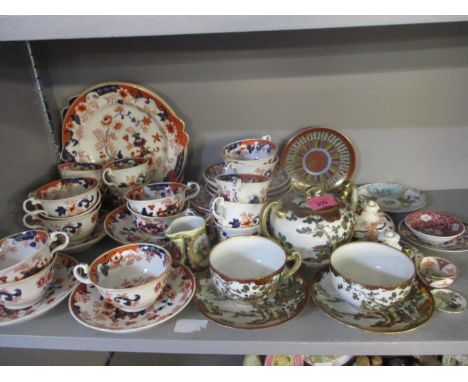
<point x="312" y="222"/>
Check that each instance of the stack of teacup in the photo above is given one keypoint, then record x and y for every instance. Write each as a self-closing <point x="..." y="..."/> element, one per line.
<point x="27" y="266"/>
<point x="154" y="206"/>
<point x="68" y="205"/>
<point x="243" y="189"/>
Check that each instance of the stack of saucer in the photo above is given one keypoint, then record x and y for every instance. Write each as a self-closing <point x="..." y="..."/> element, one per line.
<point x="27" y="266"/>
<point x="68" y="205"/>
<point x="154" y="206"/>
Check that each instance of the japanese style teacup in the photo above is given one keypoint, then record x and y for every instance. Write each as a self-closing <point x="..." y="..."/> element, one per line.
<point x="243" y="188"/>
<point x="250" y="267"/>
<point x="125" y="172"/>
<point x="265" y="169"/>
<point x="236" y="215"/>
<point x="25" y="253"/>
<point x="253" y="151"/>
<point x="371" y="275"/>
<point x="29" y="290"/>
<point x="64" y="197"/>
<point x="161" y="199"/>
<point x="130" y="277"/>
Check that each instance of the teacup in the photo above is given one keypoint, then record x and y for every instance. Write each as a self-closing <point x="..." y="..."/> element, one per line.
<point x="265" y="169"/>
<point x="130" y="277"/>
<point x="125" y="172"/>
<point x="161" y="199"/>
<point x="80" y="170"/>
<point x="228" y="232"/>
<point x="243" y="188"/>
<point x="236" y="215"/>
<point x="64" y="197"/>
<point x="78" y="228"/>
<point x="157" y="226"/>
<point x="371" y="275"/>
<point x="253" y="151"/>
<point x="250" y="267"/>
<point x="29" y="290"/>
<point x="25" y="253"/>
<point x="189" y="234"/>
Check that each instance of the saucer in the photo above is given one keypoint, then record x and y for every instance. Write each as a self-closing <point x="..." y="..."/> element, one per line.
<point x="119" y="225"/>
<point x="448" y="301"/>
<point x="88" y="307"/>
<point x="96" y="236"/>
<point x="327" y="360"/>
<point x="286" y="304"/>
<point x="393" y="197"/>
<point x="415" y="310"/>
<point x="61" y="286"/>
<point x="460" y="244"/>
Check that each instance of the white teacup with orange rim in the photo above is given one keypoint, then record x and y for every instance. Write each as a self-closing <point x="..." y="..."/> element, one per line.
<point x="125" y="172"/>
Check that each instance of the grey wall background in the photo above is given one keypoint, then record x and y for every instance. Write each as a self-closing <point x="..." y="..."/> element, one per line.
<point x="398" y="92"/>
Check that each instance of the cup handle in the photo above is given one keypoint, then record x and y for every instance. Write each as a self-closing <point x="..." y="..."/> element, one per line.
<point x="85" y="268"/>
<point x="33" y="201"/>
<point x="230" y="168"/>
<point x="296" y="256"/>
<point x="219" y="201"/>
<point x="264" y="219"/>
<point x="104" y="179"/>
<point x="193" y="191"/>
<point x="54" y="236"/>
<point x="190" y="212"/>
<point x="33" y="221"/>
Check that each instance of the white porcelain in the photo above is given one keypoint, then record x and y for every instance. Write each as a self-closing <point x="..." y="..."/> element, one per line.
<point x="64" y="197"/>
<point x="25" y="253"/>
<point x="80" y="170"/>
<point x="253" y="151"/>
<point x="371" y="275"/>
<point x="125" y="172"/>
<point x="78" y="228"/>
<point x="130" y="277"/>
<point x="265" y="169"/>
<point x="236" y="215"/>
<point x="228" y="232"/>
<point x="250" y="267"/>
<point x="371" y="222"/>
<point x="161" y="199"/>
<point x="27" y="291"/>
<point x="243" y="188"/>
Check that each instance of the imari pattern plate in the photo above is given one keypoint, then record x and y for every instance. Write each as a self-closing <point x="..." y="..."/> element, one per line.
<point x="61" y="286"/>
<point x="460" y="244"/>
<point x="319" y="156"/>
<point x="393" y="197"/>
<point x="116" y="120"/>
<point x="291" y="298"/>
<point x="88" y="307"/>
<point x="119" y="225"/>
<point x="415" y="310"/>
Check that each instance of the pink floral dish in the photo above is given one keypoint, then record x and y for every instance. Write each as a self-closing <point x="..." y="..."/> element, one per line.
<point x="434" y="227"/>
<point x="130" y="277"/>
<point x="437" y="272"/>
<point x="284" y="360"/>
<point x="161" y="199"/>
<point x="26" y="253"/>
<point x="64" y="197"/>
<point x="258" y="151"/>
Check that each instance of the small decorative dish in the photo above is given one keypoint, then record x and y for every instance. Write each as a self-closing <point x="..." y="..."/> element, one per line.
<point x="448" y="301"/>
<point x="437" y="272"/>
<point x="327" y="360"/>
<point x="284" y="360"/>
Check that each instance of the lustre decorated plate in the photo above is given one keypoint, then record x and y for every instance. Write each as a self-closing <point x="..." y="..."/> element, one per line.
<point x="119" y="225"/>
<point x="393" y="197"/>
<point x="116" y="120"/>
<point x="415" y="310"/>
<point x="459" y="244"/>
<point x="319" y="156"/>
<point x="286" y="304"/>
<point x="96" y="236"/>
<point x="88" y="307"/>
<point x="448" y="301"/>
<point x="61" y="286"/>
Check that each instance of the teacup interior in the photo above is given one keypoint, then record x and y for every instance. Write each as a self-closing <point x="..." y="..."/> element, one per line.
<point x="125" y="163"/>
<point x="127" y="268"/>
<point x="249" y="150"/>
<point x="20" y="246"/>
<point x="185" y="223"/>
<point x="372" y="264"/>
<point x="65" y="188"/>
<point x="247" y="257"/>
<point x="157" y="191"/>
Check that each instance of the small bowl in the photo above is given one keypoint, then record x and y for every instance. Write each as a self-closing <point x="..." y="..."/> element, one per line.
<point x="434" y="227"/>
<point x="228" y="232"/>
<point x="437" y="272"/>
<point x="253" y="151"/>
<point x="371" y="275"/>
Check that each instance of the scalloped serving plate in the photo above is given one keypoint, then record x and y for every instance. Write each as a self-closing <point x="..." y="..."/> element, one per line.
<point x="116" y="120"/>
